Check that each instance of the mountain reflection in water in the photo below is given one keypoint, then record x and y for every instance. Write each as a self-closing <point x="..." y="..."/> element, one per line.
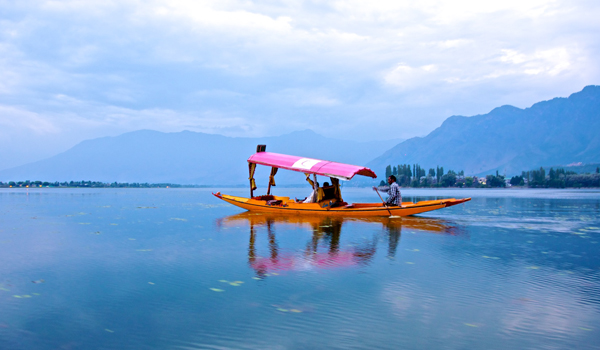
<point x="323" y="250"/>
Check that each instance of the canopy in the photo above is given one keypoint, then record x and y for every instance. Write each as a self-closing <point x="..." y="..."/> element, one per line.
<point x="310" y="166"/>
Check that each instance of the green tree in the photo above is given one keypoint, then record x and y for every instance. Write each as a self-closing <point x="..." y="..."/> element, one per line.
<point x="388" y="171"/>
<point x="449" y="179"/>
<point x="495" y="181"/>
<point x="469" y="181"/>
<point x="516" y="181"/>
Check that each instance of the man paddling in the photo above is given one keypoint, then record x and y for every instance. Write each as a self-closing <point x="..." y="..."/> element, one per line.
<point x="393" y="190"/>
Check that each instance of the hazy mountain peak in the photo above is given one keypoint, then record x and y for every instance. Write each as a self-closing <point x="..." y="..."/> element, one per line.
<point x="304" y="133"/>
<point x="509" y="139"/>
<point x="185" y="157"/>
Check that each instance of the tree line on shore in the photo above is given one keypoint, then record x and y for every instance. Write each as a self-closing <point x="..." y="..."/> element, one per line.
<point x="559" y="178"/>
<point x="416" y="176"/>
<point x="85" y="184"/>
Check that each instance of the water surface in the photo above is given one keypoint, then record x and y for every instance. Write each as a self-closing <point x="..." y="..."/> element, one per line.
<point x="179" y="269"/>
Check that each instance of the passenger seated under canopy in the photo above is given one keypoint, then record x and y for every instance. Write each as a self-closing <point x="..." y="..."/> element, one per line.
<point x="313" y="197"/>
<point x="326" y="193"/>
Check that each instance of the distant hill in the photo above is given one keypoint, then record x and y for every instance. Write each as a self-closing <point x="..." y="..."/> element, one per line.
<point x="509" y="139"/>
<point x="578" y="168"/>
<point x="187" y="158"/>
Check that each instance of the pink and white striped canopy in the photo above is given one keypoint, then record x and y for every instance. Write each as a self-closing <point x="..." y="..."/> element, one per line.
<point x="310" y="166"/>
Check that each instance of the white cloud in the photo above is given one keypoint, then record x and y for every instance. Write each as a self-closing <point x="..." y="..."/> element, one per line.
<point x="15" y="118"/>
<point x="551" y="62"/>
<point x="109" y="66"/>
<point x="302" y="98"/>
<point x="406" y="77"/>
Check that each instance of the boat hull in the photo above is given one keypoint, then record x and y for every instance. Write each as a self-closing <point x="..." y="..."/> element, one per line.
<point x="290" y="206"/>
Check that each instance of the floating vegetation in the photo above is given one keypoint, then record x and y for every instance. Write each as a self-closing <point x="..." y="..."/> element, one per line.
<point x="152" y="283"/>
<point x="114" y="224"/>
<point x="533" y="267"/>
<point x="471" y="325"/>
<point x="585" y="329"/>
<point x="410" y="263"/>
<point x="25" y="296"/>
<point x="490" y="257"/>
<point x="131" y="239"/>
<point x="109" y="330"/>
<point x="216" y="290"/>
<point x="280" y="308"/>
<point x="413" y="250"/>
<point x="178" y="219"/>
<point x="38" y="281"/>
<point x="143" y="250"/>
<point x="96" y="233"/>
<point x="84" y="223"/>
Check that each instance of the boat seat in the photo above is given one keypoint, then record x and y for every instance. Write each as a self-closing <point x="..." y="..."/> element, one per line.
<point x="267" y="197"/>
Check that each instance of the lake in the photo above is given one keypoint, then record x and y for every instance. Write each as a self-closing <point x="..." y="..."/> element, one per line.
<point x="180" y="269"/>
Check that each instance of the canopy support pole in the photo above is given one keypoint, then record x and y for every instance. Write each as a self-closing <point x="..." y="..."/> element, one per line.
<point x="251" y="169"/>
<point x="272" y="179"/>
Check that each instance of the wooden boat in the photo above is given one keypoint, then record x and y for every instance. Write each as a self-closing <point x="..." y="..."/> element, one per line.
<point x="328" y="200"/>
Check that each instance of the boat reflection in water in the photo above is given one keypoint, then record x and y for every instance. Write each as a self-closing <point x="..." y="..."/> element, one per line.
<point x="323" y="250"/>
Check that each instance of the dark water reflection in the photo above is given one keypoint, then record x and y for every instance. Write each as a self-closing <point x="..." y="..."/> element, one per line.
<point x="177" y="269"/>
<point x="323" y="250"/>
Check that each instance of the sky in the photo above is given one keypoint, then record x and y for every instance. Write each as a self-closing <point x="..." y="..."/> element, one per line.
<point x="73" y="70"/>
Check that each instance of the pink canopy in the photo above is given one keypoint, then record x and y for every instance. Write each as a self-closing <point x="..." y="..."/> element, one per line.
<point x="310" y="166"/>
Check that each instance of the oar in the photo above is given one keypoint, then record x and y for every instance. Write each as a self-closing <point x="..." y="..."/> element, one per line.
<point x="385" y="205"/>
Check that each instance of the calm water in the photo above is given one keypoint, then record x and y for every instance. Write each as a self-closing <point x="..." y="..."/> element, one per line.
<point x="179" y="269"/>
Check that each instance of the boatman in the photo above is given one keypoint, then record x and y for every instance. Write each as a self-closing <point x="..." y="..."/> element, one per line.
<point x="393" y="190"/>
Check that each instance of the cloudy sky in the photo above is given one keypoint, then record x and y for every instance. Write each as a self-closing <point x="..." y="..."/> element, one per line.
<point x="72" y="70"/>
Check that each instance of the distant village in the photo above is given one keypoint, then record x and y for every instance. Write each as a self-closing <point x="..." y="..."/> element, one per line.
<point x="558" y="178"/>
<point x="415" y="176"/>
<point x="84" y="184"/>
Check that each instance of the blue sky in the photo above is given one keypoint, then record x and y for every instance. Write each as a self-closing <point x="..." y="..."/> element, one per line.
<point x="73" y="70"/>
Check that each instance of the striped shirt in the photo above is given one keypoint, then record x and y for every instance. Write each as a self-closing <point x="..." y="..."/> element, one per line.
<point x="394" y="194"/>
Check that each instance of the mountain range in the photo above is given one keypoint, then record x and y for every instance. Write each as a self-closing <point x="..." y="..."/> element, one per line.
<point x="187" y="158"/>
<point x="508" y="139"/>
